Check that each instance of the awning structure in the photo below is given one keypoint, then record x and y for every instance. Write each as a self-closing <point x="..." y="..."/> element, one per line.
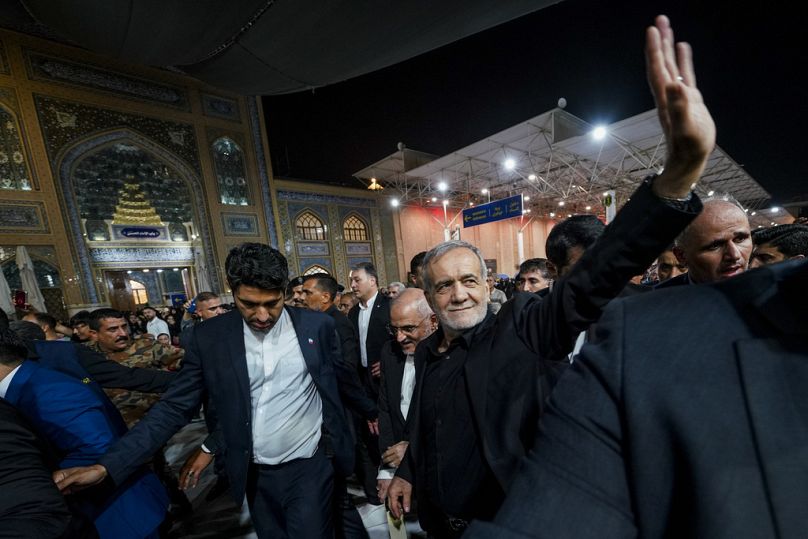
<point x="561" y="168"/>
<point x="262" y="47"/>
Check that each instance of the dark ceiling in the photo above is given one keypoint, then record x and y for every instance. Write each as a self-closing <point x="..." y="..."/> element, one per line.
<point x="262" y="47"/>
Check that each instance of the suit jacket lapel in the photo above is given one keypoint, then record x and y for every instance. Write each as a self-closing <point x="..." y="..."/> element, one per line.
<point x="238" y="354"/>
<point x="396" y="379"/>
<point x="308" y="344"/>
<point x="774" y="375"/>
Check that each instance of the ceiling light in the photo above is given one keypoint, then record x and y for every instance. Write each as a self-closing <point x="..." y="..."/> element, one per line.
<point x="588" y="208"/>
<point x="445" y="202"/>
<point x="442" y="187"/>
<point x="484" y="191"/>
<point x="775" y="209"/>
<point x="561" y="202"/>
<point x="532" y="177"/>
<point x="753" y="213"/>
<point x="394" y="202"/>
<point x="129" y="272"/>
<point x="710" y="193"/>
<point x="146" y="270"/>
<point x="599" y="133"/>
<point x="552" y="214"/>
<point x="175" y="269"/>
<point x="527" y="197"/>
<point x="434" y="199"/>
<point x="510" y="164"/>
<point x="160" y="271"/>
<point x="374" y="186"/>
<point x="471" y="203"/>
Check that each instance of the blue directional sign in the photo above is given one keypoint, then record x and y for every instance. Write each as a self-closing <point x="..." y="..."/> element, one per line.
<point x="493" y="211"/>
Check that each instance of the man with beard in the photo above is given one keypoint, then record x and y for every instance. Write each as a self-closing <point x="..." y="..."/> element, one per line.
<point x="269" y="371"/>
<point x="482" y="380"/>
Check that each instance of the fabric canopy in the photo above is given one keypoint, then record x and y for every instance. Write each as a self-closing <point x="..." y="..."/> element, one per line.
<point x="265" y="47"/>
<point x="6" y="303"/>
<point x="28" y="280"/>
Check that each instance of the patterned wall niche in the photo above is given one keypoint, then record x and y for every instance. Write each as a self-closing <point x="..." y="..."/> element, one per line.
<point x="231" y="172"/>
<point x="15" y="173"/>
<point x="126" y="184"/>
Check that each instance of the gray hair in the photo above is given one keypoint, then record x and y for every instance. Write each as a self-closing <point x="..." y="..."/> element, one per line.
<point x="419" y="303"/>
<point x="399" y="284"/>
<point x="716" y="198"/>
<point x="440" y="250"/>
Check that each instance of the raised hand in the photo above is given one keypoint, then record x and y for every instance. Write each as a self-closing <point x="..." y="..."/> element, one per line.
<point x="689" y="129"/>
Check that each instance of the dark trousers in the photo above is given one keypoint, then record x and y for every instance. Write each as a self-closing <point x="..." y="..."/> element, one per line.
<point x="347" y="522"/>
<point x="368" y="458"/>
<point x="292" y="500"/>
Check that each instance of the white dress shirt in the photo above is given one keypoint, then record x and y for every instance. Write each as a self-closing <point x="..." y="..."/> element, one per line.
<point x="6" y="382"/>
<point x="156" y="326"/>
<point x="364" y="321"/>
<point x="287" y="413"/>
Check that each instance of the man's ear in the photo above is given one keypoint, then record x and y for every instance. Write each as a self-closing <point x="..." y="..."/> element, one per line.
<point x="680" y="255"/>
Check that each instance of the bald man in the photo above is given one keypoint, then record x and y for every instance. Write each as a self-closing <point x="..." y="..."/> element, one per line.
<point x="717" y="245"/>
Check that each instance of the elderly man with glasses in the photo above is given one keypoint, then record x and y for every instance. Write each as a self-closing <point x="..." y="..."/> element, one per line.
<point x="411" y="321"/>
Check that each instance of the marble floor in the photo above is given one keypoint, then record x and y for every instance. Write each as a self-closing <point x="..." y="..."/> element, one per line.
<point x="219" y="517"/>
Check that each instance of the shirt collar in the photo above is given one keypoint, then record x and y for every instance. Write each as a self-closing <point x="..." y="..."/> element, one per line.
<point x="6" y="382"/>
<point x="464" y="339"/>
<point x="371" y="301"/>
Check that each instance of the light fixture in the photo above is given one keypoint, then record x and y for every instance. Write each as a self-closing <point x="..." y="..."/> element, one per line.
<point x="599" y="133"/>
<point x="129" y="272"/>
<point x="532" y="177"/>
<point x="588" y="208"/>
<point x="445" y="202"/>
<point x="146" y="270"/>
<point x="746" y="210"/>
<point x="484" y="191"/>
<point x="527" y="197"/>
<point x="561" y="203"/>
<point x="160" y="271"/>
<point x="605" y="194"/>
<point x="772" y="223"/>
<point x="552" y="214"/>
<point x="753" y="213"/>
<point x="442" y="187"/>
<point x="510" y="164"/>
<point x="471" y="203"/>
<point x="374" y="186"/>
<point x="175" y="269"/>
<point x="775" y="209"/>
<point x="434" y="199"/>
<point x="394" y="202"/>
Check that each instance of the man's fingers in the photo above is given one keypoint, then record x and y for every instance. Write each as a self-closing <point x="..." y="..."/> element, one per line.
<point x="684" y="56"/>
<point x="406" y="499"/>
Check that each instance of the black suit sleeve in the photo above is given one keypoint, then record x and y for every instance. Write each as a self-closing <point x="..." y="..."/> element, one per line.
<point x="350" y="388"/>
<point x="173" y="411"/>
<point x="574" y="483"/>
<point x="30" y="503"/>
<point x="642" y="229"/>
<point x="111" y="374"/>
<point x="385" y="421"/>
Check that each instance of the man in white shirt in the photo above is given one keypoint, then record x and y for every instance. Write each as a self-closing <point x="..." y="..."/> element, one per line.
<point x="370" y="317"/>
<point x="411" y="321"/>
<point x="154" y="325"/>
<point x="269" y="372"/>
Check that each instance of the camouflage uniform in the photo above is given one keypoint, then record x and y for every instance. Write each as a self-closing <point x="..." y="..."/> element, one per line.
<point x="143" y="353"/>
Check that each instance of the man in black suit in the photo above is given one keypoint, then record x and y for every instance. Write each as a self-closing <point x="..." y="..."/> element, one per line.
<point x="269" y="371"/>
<point x="481" y="379"/>
<point x="319" y="291"/>
<point x="411" y="321"/>
<point x="674" y="425"/>
<point x="370" y="318"/>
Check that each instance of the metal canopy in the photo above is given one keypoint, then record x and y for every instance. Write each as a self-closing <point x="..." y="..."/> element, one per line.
<point x="555" y="160"/>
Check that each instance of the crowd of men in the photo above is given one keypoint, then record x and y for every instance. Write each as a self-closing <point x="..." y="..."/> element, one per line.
<point x="637" y="381"/>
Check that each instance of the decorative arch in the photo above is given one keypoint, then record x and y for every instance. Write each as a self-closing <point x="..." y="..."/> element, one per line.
<point x="314" y="269"/>
<point x="47" y="275"/>
<point x="15" y="172"/>
<point x="70" y="156"/>
<point x="354" y="228"/>
<point x="309" y="226"/>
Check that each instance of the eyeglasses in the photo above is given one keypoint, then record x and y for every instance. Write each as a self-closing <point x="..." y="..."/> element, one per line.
<point x="406" y="330"/>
